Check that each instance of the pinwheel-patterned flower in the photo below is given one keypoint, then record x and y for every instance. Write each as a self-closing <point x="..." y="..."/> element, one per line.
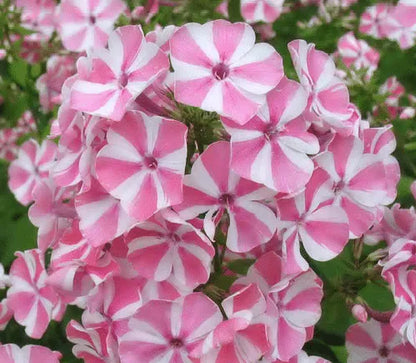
<point x="216" y="73"/>
<point x="143" y="163"/>
<point x="10" y="353"/>
<point x="377" y="342"/>
<point x="276" y="139"/>
<point x="213" y="188"/>
<point x="29" y="297"/>
<point x="165" y="245"/>
<point x="261" y="10"/>
<point x="31" y="166"/>
<point x="85" y="25"/>
<point x="110" y="79"/>
<point x="165" y="331"/>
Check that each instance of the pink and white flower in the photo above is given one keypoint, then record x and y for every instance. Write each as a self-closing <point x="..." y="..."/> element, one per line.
<point x="328" y="103"/>
<point x="164" y="330"/>
<point x="373" y="20"/>
<point x="310" y="217"/>
<point x="213" y="188"/>
<point x="261" y="10"/>
<point x="165" y="245"/>
<point x="216" y="74"/>
<point x="31" y="166"/>
<point x="357" y="53"/>
<point x="85" y="25"/>
<point x="143" y="163"/>
<point x="101" y="216"/>
<point x="31" y="299"/>
<point x="359" y="180"/>
<point x="11" y="353"/>
<point x="293" y="303"/>
<point x="240" y="338"/>
<point x="110" y="79"/>
<point x="377" y="342"/>
<point x="275" y="139"/>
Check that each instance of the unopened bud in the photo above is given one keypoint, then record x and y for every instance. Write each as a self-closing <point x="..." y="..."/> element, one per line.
<point x="359" y="312"/>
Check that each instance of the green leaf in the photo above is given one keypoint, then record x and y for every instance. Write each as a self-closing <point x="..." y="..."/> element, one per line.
<point x="240" y="266"/>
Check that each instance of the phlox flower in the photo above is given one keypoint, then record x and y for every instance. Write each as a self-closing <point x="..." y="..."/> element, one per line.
<point x="239" y="338"/>
<point x="373" y="20"/>
<point x="166" y="245"/>
<point x="328" y="95"/>
<point x="229" y="75"/>
<point x="85" y="25"/>
<point x="143" y="163"/>
<point x="8" y="145"/>
<point x="272" y="147"/>
<point x="167" y="331"/>
<point x="293" y="303"/>
<point x="31" y="166"/>
<point x="34" y="303"/>
<point x="357" y="53"/>
<point x="213" y="188"/>
<point x="110" y="79"/>
<point x="376" y="342"/>
<point x="261" y="10"/>
<point x="10" y="353"/>
<point x="359" y="180"/>
<point x="310" y="217"/>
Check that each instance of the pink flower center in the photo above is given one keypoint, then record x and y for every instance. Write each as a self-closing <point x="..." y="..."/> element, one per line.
<point x="150" y="162"/>
<point x="339" y="186"/>
<point x="220" y="71"/>
<point x="226" y="199"/>
<point x="123" y="80"/>
<point x="93" y="19"/>
<point x="174" y="238"/>
<point x="384" y="351"/>
<point x="270" y="132"/>
<point x="176" y="343"/>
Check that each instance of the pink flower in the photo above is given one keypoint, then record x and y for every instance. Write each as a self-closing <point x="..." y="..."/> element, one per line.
<point x="217" y="73"/>
<point x="76" y="267"/>
<point x="401" y="25"/>
<point x="38" y="16"/>
<point x="373" y="341"/>
<point x="164" y="330"/>
<point x="31" y="166"/>
<point x="309" y="217"/>
<point x="10" y="353"/>
<point x="5" y="314"/>
<point x="293" y="303"/>
<point x="165" y="245"/>
<point x="239" y="338"/>
<point x="93" y="340"/>
<point x="85" y="25"/>
<point x="328" y="95"/>
<point x="26" y="124"/>
<point x="101" y="216"/>
<point x="110" y="79"/>
<point x="8" y="145"/>
<point x="49" y="85"/>
<point x="360" y="313"/>
<point x="357" y="53"/>
<point x="143" y="163"/>
<point x="51" y="212"/>
<point x="404" y="319"/>
<point x="261" y="10"/>
<point x="275" y="139"/>
<point x="359" y="180"/>
<point x="302" y="357"/>
<point x="32" y="301"/>
<point x="373" y="20"/>
<point x="213" y="188"/>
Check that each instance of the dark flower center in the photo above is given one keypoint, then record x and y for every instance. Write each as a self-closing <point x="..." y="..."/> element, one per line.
<point x="93" y="19"/>
<point x="150" y="162"/>
<point x="383" y="351"/>
<point x="176" y="343"/>
<point x="220" y="71"/>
